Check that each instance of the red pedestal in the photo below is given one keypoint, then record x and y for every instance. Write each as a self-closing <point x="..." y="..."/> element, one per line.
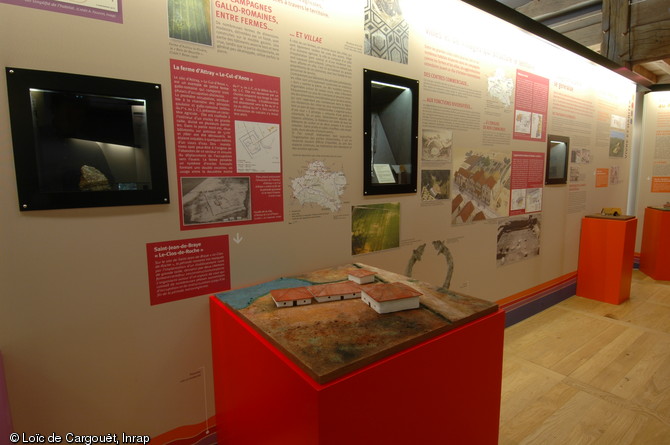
<point x="445" y="390"/>
<point x="655" y="249"/>
<point x="606" y="249"/>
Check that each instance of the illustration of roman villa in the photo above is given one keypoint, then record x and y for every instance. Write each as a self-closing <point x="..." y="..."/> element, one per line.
<point x="482" y="184"/>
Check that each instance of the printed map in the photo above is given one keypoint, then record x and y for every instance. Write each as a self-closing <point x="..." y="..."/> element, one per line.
<point x="501" y="87"/>
<point x="321" y="186"/>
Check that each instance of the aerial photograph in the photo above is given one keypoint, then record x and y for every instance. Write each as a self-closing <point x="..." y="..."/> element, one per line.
<point x="375" y="227"/>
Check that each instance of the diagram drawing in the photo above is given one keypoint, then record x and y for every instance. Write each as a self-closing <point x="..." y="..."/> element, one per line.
<point x="258" y="147"/>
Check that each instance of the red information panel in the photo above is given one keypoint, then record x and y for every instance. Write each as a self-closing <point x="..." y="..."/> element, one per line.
<point x="602" y="177"/>
<point x="188" y="268"/>
<point x="526" y="181"/>
<point x="228" y="144"/>
<point x="660" y="184"/>
<point x="531" y="105"/>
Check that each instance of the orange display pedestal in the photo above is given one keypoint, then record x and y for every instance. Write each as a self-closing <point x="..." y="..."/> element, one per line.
<point x="606" y="249"/>
<point x="655" y="248"/>
<point x="443" y="390"/>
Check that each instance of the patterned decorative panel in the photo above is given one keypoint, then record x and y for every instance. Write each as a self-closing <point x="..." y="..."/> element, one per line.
<point x="386" y="32"/>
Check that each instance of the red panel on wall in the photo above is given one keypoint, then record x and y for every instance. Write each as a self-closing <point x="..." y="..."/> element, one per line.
<point x="187" y="268"/>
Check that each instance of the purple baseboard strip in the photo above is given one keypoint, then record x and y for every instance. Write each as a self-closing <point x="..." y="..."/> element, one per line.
<point x="517" y="312"/>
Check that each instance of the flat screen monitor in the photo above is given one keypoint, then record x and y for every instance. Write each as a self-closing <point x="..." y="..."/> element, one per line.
<point x="85" y="141"/>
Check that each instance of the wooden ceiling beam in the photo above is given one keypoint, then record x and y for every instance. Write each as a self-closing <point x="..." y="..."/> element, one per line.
<point x="594" y="18"/>
<point x="663" y="65"/>
<point x="636" y="33"/>
<point x="537" y="9"/>
<point x="615" y="28"/>
<point x="588" y="36"/>
<point x="650" y="42"/>
<point x="649" y="11"/>
<point x="642" y="71"/>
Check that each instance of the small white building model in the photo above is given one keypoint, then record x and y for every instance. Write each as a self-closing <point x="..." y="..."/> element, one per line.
<point x="382" y="297"/>
<point x="335" y="291"/>
<point x="297" y="296"/>
<point x="361" y="276"/>
<point x="390" y="297"/>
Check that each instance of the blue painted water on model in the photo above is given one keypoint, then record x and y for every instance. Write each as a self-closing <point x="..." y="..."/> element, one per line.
<point x="241" y="298"/>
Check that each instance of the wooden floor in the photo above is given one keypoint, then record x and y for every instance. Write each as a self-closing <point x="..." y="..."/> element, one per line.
<point x="585" y="372"/>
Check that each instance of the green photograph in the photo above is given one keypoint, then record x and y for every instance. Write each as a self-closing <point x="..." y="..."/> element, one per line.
<point x="375" y="227"/>
<point x="190" y="20"/>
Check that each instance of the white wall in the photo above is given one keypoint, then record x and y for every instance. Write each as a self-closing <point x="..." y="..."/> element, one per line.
<point x="654" y="155"/>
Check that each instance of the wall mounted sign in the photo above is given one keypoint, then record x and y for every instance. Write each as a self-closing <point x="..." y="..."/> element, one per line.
<point x="187" y="268"/>
<point x="228" y="143"/>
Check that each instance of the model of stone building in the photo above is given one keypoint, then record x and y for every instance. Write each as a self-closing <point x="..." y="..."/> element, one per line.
<point x="344" y="290"/>
<point x="297" y="296"/>
<point x="361" y="276"/>
<point x="382" y="297"/>
<point x="390" y="297"/>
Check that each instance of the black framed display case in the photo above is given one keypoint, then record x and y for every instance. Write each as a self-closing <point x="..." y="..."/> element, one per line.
<point x="85" y="141"/>
<point x="558" y="151"/>
<point x="391" y="115"/>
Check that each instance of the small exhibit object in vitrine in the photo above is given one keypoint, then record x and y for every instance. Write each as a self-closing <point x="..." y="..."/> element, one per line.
<point x="390" y="297"/>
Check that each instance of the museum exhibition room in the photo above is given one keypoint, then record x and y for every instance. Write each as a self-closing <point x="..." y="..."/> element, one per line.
<point x="321" y="222"/>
